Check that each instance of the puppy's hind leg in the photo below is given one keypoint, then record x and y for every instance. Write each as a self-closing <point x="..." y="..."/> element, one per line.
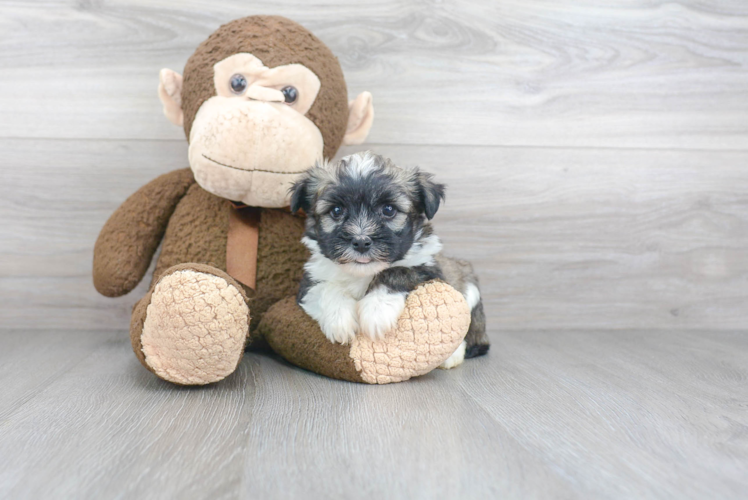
<point x="476" y="341"/>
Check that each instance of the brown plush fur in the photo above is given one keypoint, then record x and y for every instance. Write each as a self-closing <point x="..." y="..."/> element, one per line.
<point x="130" y="237"/>
<point x="197" y="233"/>
<point x="276" y="41"/>
<point x="312" y="351"/>
<point x="280" y="259"/>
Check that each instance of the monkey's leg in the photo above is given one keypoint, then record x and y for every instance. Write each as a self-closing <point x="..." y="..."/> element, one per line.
<point x="432" y="326"/>
<point x="192" y="326"/>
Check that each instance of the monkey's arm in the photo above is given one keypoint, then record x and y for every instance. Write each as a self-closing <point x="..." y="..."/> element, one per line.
<point x="129" y="238"/>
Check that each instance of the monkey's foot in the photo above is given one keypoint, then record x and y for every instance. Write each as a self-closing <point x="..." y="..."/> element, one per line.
<point x="430" y="329"/>
<point x="195" y="327"/>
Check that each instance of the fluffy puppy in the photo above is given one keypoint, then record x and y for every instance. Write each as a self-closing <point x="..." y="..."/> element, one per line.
<point x="371" y="245"/>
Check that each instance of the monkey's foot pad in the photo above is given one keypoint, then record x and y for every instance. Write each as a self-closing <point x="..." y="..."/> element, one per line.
<point x="432" y="326"/>
<point x="195" y="328"/>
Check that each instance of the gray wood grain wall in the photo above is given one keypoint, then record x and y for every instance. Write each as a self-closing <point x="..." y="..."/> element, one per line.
<point x="595" y="152"/>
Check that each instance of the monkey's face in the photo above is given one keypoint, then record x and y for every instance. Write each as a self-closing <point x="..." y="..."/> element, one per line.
<point x="254" y="132"/>
<point x="262" y="99"/>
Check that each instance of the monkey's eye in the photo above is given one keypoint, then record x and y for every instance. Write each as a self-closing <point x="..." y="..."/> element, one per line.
<point x="337" y="212"/>
<point x="238" y="84"/>
<point x="290" y="94"/>
<point x="389" y="211"/>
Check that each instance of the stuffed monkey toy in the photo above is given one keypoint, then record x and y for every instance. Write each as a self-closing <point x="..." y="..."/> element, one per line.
<point x="260" y="101"/>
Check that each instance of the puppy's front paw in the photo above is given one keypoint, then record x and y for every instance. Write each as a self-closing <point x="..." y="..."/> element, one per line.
<point x="340" y="325"/>
<point x="379" y="311"/>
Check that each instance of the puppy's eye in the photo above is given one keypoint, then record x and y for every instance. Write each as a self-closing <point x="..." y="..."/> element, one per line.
<point x="336" y="213"/>
<point x="238" y="84"/>
<point x="290" y="94"/>
<point x="389" y="211"/>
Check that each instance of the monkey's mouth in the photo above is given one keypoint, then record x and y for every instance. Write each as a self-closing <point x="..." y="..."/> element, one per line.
<point x="250" y="169"/>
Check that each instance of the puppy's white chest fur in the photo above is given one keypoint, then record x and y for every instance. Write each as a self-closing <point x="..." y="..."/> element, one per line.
<point x="335" y="277"/>
<point x="340" y="304"/>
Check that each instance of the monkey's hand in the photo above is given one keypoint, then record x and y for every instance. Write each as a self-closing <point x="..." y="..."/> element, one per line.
<point x="130" y="237"/>
<point x="379" y="311"/>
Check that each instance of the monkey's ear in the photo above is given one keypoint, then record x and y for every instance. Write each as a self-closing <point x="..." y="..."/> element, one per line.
<point x="360" y="118"/>
<point x="300" y="194"/>
<point x="170" y="93"/>
<point x="431" y="193"/>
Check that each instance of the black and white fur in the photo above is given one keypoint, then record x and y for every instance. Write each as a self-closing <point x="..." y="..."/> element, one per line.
<point x="371" y="245"/>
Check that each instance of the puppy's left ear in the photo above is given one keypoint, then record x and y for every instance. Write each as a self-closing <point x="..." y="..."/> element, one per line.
<point x="431" y="193"/>
<point x="300" y="194"/>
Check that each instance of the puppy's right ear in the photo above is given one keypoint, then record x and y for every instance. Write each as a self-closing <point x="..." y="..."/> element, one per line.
<point x="300" y="194"/>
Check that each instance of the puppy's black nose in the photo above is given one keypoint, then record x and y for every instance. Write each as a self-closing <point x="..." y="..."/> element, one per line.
<point x="361" y="243"/>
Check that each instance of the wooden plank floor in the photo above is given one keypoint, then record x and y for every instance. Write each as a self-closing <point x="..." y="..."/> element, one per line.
<point x="595" y="155"/>
<point x="598" y="414"/>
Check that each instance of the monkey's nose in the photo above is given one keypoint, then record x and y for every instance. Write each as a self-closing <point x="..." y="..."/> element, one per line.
<point x="260" y="93"/>
<point x="361" y="243"/>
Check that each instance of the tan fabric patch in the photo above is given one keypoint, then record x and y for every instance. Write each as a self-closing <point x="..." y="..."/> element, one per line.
<point x="241" y="246"/>
<point x="130" y="237"/>
<point x="432" y="326"/>
<point x="195" y="328"/>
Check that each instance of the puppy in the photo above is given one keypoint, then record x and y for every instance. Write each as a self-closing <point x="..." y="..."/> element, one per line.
<point x="371" y="245"/>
